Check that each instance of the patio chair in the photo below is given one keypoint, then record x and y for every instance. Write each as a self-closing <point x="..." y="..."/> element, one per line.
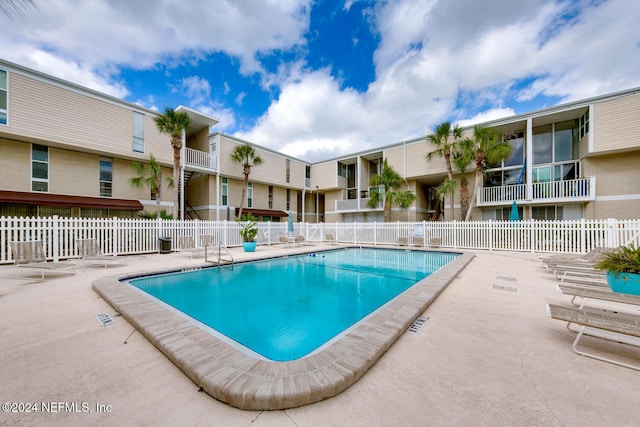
<point x="402" y="241"/>
<point x="285" y="240"/>
<point x="89" y="250"/>
<point x="330" y="239"/>
<point x="435" y="242"/>
<point x="31" y="255"/>
<point x="187" y="245"/>
<point x="417" y="241"/>
<point x="616" y="326"/>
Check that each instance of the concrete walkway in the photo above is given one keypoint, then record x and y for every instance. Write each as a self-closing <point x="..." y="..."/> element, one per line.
<point x="488" y="355"/>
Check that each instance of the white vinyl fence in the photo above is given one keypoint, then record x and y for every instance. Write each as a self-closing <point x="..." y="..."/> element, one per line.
<point x="123" y="236"/>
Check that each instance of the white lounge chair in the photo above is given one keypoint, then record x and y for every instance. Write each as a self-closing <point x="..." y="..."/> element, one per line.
<point x="31" y="255"/>
<point x="610" y="325"/>
<point x="330" y="239"/>
<point x="186" y="244"/>
<point x="90" y="250"/>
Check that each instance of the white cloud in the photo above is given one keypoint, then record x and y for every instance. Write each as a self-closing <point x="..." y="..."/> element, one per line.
<point x="437" y="60"/>
<point x="440" y="60"/>
<point x="103" y="34"/>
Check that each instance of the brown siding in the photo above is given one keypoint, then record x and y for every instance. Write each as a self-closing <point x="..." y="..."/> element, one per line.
<point x="616" y="124"/>
<point x="15" y="160"/>
<point x="71" y="119"/>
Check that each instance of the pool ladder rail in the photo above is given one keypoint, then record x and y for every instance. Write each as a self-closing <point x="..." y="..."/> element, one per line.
<point x="217" y="254"/>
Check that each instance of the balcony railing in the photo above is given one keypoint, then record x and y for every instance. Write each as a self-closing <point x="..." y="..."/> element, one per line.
<point x="355" y="205"/>
<point x="199" y="159"/>
<point x="582" y="189"/>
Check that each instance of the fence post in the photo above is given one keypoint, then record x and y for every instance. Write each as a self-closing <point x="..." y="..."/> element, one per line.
<point x="612" y="235"/>
<point x="455" y="234"/>
<point x="56" y="238"/>
<point x="115" y="242"/>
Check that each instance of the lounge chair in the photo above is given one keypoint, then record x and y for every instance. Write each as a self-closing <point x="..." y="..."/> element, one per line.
<point x="417" y="240"/>
<point x="435" y="242"/>
<point x="187" y="245"/>
<point x="610" y="325"/>
<point x="591" y="257"/>
<point x="402" y="241"/>
<point x="287" y="243"/>
<point x="31" y="255"/>
<point x="90" y="251"/>
<point x="330" y="239"/>
<point x="602" y="293"/>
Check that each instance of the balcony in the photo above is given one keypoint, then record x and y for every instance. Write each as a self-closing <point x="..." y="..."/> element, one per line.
<point x="355" y="205"/>
<point x="199" y="160"/>
<point x="573" y="190"/>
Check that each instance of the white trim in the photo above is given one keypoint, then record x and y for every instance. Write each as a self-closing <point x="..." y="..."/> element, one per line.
<point x="590" y="142"/>
<point x="618" y="197"/>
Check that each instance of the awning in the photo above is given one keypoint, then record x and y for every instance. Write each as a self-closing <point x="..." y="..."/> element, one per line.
<point x="48" y="199"/>
<point x="263" y="212"/>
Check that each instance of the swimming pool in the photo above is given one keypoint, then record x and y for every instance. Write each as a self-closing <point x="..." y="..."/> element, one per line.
<point x="246" y="382"/>
<point x="284" y="309"/>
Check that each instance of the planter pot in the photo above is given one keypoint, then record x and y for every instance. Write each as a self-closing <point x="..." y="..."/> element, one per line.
<point x="249" y="246"/>
<point x="624" y="283"/>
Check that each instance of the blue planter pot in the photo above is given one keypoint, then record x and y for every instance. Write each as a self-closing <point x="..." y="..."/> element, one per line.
<point x="624" y="283"/>
<point x="249" y="246"/>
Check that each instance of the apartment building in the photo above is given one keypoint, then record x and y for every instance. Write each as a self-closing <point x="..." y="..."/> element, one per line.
<point x="576" y="160"/>
<point x="67" y="150"/>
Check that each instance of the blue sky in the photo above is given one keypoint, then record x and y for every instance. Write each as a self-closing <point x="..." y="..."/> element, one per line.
<point x="318" y="79"/>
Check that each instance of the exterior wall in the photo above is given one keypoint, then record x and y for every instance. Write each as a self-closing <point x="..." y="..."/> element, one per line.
<point x="15" y="169"/>
<point x="617" y="186"/>
<point x="272" y="170"/>
<point x="324" y="175"/>
<point x="616" y="124"/>
<point x="199" y="141"/>
<point x="70" y="118"/>
<point x="416" y="164"/>
<point x="74" y="173"/>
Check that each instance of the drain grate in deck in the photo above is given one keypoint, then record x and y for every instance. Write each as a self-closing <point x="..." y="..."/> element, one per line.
<point x="505" y="288"/>
<point x="105" y="319"/>
<point x="418" y="324"/>
<point x="508" y="279"/>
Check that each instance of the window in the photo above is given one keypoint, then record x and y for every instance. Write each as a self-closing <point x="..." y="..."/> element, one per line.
<point x="271" y="197"/>
<point x="250" y="194"/>
<point x="39" y="168"/>
<point x="106" y="177"/>
<point x="288" y="199"/>
<point x="3" y="97"/>
<point x="546" y="213"/>
<point x="516" y="140"/>
<point x="584" y="124"/>
<point x="288" y="171"/>
<point x="138" y="132"/>
<point x="225" y="191"/>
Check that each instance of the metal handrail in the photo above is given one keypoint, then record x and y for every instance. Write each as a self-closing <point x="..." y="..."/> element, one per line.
<point x="219" y="254"/>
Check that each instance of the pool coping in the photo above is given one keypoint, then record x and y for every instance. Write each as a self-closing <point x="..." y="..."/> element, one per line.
<point x="242" y="381"/>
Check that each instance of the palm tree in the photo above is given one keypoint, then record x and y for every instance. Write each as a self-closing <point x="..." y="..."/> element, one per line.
<point x="391" y="182"/>
<point x="13" y="8"/>
<point x="149" y="175"/>
<point x="461" y="160"/>
<point x="445" y="139"/>
<point x="246" y="156"/>
<point x="487" y="147"/>
<point x="174" y="123"/>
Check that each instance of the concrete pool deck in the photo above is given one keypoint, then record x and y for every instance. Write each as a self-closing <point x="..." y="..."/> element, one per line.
<point x="488" y="355"/>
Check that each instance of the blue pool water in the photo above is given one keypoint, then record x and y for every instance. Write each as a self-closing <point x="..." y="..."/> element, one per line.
<point x="284" y="309"/>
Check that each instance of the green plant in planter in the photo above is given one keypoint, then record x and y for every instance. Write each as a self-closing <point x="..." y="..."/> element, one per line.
<point x="623" y="269"/>
<point x="625" y="260"/>
<point x="248" y="227"/>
